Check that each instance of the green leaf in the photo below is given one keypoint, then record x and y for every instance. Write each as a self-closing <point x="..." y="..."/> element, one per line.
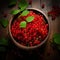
<point x="23" y="8"/>
<point x="56" y="35"/>
<point x="2" y="49"/>
<point x="3" y="41"/>
<point x="56" y="38"/>
<point x="58" y="47"/>
<point x="23" y="4"/>
<point x="14" y="12"/>
<point x="12" y="3"/>
<point x="30" y="18"/>
<point x="23" y="24"/>
<point x="25" y="13"/>
<point x="4" y="22"/>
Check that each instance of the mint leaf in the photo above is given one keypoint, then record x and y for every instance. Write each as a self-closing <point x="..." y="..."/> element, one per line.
<point x="58" y="47"/>
<point x="4" y="22"/>
<point x="14" y="12"/>
<point x="23" y="8"/>
<point x="56" y="35"/>
<point x="56" y="38"/>
<point x="12" y="3"/>
<point x="30" y="18"/>
<point x="25" y="13"/>
<point x="3" y="41"/>
<point x="23" y="24"/>
<point x="2" y="49"/>
<point x="23" y="4"/>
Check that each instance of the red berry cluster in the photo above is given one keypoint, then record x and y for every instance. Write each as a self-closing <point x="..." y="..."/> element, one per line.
<point x="55" y="12"/>
<point x="34" y="33"/>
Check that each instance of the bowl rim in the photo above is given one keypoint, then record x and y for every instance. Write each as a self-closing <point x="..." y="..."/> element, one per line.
<point x="33" y="47"/>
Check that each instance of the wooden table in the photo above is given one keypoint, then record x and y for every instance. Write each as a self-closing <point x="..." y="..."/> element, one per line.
<point x="47" y="53"/>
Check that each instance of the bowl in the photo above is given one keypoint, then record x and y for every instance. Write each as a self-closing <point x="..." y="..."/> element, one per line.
<point x="39" y="12"/>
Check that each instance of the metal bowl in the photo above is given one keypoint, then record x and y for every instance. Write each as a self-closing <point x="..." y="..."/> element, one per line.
<point x="37" y="11"/>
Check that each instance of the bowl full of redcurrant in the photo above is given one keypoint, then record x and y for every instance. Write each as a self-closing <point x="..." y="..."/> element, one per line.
<point x="29" y="29"/>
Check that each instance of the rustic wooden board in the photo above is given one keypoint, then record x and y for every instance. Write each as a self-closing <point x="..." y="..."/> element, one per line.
<point x="48" y="53"/>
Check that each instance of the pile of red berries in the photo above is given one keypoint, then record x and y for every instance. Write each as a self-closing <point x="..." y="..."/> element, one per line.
<point x="34" y="33"/>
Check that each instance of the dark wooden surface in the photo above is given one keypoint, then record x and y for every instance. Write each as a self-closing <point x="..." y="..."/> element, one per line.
<point x="46" y="52"/>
